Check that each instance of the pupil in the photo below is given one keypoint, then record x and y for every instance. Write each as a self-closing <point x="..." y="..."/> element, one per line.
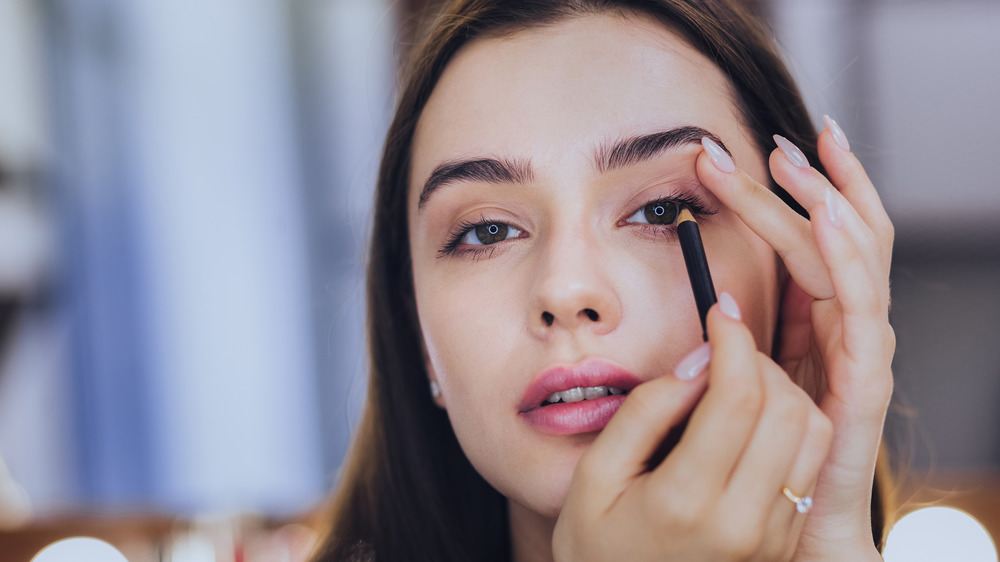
<point x="491" y="233"/>
<point x="661" y="213"/>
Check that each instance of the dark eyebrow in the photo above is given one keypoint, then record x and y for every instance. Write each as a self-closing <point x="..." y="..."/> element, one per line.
<point x="489" y="170"/>
<point x="637" y="149"/>
<point x="620" y="154"/>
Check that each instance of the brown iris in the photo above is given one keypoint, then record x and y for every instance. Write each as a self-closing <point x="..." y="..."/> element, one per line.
<point x="492" y="232"/>
<point x="661" y="212"/>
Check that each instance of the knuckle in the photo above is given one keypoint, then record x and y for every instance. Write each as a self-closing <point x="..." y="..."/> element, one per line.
<point x="744" y="400"/>
<point x="644" y="401"/>
<point x="741" y="539"/>
<point x="820" y="426"/>
<point x="890" y="340"/>
<point x="889" y="232"/>
<point x="675" y="509"/>
<point x="791" y="410"/>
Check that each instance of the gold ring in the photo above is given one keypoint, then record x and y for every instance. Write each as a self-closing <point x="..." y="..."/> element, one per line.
<point x="802" y="504"/>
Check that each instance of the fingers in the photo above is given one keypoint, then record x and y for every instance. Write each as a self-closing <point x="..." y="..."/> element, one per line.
<point x="788" y="449"/>
<point x="726" y="416"/>
<point x="767" y="460"/>
<point x="637" y="429"/>
<point x="780" y="226"/>
<point x="851" y="179"/>
<point x="865" y="334"/>
<point x="791" y="171"/>
<point x="752" y="433"/>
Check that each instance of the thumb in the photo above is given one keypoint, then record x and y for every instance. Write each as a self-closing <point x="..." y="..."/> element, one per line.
<point x="635" y="434"/>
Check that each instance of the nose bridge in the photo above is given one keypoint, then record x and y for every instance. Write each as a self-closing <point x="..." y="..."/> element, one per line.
<point x="574" y="287"/>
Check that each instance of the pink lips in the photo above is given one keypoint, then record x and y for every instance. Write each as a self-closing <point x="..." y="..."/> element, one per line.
<point x="575" y="417"/>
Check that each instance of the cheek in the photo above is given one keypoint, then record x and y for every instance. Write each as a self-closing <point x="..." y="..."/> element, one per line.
<point x="471" y="327"/>
<point x="466" y="325"/>
<point x="746" y="267"/>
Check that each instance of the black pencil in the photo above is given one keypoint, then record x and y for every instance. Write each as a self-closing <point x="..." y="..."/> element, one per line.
<point x="697" y="266"/>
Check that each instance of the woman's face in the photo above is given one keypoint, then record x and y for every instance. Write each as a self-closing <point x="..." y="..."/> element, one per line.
<point x="546" y="168"/>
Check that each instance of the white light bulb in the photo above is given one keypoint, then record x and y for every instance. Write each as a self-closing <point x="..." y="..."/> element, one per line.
<point x="79" y="549"/>
<point x="939" y="533"/>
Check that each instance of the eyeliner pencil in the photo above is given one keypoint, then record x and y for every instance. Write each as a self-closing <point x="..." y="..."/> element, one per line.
<point x="697" y="266"/>
<point x="704" y="297"/>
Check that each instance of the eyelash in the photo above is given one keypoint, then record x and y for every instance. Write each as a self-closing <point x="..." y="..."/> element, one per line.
<point x="451" y="248"/>
<point x="455" y="238"/>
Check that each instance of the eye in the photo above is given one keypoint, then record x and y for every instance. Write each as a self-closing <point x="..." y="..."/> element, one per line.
<point x="487" y="233"/>
<point x="661" y="212"/>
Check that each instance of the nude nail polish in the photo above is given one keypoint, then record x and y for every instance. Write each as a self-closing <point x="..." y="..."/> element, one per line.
<point x="719" y="156"/>
<point x="791" y="152"/>
<point x="728" y="306"/>
<point x="838" y="134"/>
<point x="694" y="363"/>
<point x="832" y="208"/>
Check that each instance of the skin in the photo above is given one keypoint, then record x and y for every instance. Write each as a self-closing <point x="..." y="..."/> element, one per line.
<point x="549" y="97"/>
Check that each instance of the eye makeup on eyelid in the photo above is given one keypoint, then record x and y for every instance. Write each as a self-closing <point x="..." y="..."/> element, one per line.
<point x="656" y="218"/>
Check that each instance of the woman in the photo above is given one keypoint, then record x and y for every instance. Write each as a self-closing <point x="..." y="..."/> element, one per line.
<point x="524" y="255"/>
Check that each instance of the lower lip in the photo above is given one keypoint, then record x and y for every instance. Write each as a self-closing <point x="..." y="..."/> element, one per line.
<point x="575" y="417"/>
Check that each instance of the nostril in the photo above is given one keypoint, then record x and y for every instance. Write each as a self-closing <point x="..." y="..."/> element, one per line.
<point x="592" y="314"/>
<point x="548" y="318"/>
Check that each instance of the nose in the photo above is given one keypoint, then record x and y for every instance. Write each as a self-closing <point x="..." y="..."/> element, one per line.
<point x="574" y="291"/>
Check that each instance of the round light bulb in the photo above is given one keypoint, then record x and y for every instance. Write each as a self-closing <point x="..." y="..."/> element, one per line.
<point x="939" y="533"/>
<point x="79" y="549"/>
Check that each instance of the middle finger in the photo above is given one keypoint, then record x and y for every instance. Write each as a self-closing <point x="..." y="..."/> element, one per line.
<point x="770" y="218"/>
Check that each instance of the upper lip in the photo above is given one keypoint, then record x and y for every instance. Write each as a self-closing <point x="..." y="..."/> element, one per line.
<point x="594" y="372"/>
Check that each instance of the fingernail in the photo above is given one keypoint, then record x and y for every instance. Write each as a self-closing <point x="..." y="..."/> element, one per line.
<point x="695" y="362"/>
<point x="719" y="157"/>
<point x="832" y="208"/>
<point x="728" y="306"/>
<point x="791" y="151"/>
<point x="838" y="133"/>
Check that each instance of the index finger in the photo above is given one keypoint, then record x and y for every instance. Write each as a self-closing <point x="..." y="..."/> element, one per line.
<point x="770" y="218"/>
<point x="631" y="438"/>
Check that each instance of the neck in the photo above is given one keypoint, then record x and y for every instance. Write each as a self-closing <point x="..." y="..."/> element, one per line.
<point x="530" y="534"/>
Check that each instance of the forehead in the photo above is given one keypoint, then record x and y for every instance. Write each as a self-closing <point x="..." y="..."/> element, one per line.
<point x="555" y="92"/>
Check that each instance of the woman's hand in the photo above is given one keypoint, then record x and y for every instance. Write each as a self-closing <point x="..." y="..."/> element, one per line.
<point x="835" y="337"/>
<point x="717" y="495"/>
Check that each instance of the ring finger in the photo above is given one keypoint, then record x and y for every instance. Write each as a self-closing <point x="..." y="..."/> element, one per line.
<point x="767" y="460"/>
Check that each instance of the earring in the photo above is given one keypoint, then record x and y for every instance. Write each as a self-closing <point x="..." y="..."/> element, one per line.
<point x="435" y="389"/>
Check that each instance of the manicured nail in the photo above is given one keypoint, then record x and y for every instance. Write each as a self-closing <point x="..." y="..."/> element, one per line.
<point x="719" y="157"/>
<point x="838" y="133"/>
<point x="791" y="151"/>
<point x="832" y="208"/>
<point x="728" y="306"/>
<point x="695" y="362"/>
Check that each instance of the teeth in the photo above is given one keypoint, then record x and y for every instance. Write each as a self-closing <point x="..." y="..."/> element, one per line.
<point x="583" y="393"/>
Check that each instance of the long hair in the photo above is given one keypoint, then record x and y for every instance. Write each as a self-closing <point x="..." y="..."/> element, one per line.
<point x="407" y="491"/>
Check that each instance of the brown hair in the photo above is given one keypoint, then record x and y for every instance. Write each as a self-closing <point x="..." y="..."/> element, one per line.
<point x="407" y="491"/>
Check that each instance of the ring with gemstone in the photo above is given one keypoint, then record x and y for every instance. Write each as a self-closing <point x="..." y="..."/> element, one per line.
<point x="802" y="504"/>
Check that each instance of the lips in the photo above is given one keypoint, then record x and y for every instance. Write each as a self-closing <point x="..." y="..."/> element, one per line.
<point x="606" y="384"/>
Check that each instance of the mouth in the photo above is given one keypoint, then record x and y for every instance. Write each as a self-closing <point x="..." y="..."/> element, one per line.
<point x="581" y="393"/>
<point x="576" y="399"/>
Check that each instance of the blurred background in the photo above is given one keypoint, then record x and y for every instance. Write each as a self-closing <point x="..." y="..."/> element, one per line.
<point x="184" y="201"/>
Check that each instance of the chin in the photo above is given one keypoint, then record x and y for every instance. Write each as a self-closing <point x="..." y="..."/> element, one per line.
<point x="550" y="486"/>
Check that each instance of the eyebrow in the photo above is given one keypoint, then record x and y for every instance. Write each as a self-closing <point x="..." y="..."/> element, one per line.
<point x="621" y="153"/>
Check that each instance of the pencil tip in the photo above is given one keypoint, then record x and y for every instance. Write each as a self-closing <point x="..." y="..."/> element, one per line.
<point x="685" y="215"/>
